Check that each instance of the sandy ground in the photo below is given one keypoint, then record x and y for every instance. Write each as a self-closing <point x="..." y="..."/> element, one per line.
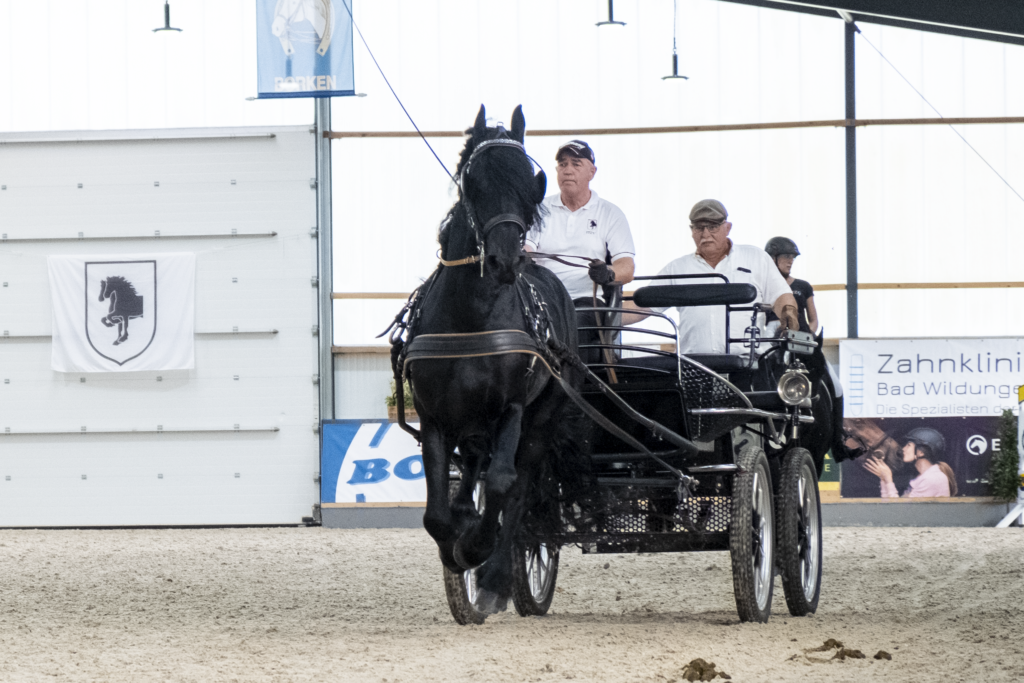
<point x="320" y="604"/>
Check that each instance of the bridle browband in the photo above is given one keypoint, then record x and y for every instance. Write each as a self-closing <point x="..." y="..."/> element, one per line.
<point x="481" y="233"/>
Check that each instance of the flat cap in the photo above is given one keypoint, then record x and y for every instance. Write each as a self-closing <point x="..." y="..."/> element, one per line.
<point x="708" y="210"/>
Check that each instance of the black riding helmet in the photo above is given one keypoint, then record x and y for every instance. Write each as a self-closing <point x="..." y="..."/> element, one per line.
<point x="777" y="246"/>
<point x="931" y="439"/>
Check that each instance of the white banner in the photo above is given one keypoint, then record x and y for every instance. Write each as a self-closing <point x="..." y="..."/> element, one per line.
<point x="930" y="377"/>
<point x="123" y="313"/>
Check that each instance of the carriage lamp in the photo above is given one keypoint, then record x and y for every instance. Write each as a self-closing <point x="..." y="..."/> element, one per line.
<point x="167" y="19"/>
<point x="794" y="387"/>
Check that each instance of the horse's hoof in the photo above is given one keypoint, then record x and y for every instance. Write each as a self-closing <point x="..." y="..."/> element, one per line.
<point x="449" y="561"/>
<point x="489" y="602"/>
<point x="470" y="558"/>
<point x="117" y="342"/>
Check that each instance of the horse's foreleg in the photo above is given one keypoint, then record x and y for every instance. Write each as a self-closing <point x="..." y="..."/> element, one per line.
<point x="437" y="518"/>
<point x="477" y="543"/>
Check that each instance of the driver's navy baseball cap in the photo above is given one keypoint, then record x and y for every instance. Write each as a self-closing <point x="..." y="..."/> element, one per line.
<point x="576" y="148"/>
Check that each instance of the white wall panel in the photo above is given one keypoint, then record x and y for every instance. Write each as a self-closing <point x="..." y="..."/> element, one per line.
<point x="251" y="283"/>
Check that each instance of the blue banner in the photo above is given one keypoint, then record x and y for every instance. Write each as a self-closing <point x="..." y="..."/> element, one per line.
<point x="304" y="48"/>
<point x="369" y="461"/>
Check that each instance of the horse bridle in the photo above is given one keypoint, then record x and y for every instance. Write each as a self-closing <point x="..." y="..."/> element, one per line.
<point x="481" y="233"/>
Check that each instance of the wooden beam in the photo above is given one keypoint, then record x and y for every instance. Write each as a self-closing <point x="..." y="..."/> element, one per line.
<point x="718" y="128"/>
<point x="370" y="295"/>
<point x="818" y="288"/>
<point x="373" y="349"/>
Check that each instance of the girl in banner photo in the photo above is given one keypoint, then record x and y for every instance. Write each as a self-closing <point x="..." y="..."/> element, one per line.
<point x="923" y="447"/>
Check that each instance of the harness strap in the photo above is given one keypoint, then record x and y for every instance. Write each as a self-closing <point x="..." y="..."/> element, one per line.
<point x="461" y="261"/>
<point x="561" y="258"/>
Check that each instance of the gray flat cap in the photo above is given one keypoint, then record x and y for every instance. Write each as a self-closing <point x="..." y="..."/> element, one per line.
<point x="708" y="210"/>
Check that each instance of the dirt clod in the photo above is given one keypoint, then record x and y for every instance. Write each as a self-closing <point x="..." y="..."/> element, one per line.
<point x="701" y="670"/>
<point x="845" y="653"/>
<point x="882" y="654"/>
<point x="830" y="644"/>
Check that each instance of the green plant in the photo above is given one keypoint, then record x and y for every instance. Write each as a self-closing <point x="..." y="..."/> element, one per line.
<point x="391" y="401"/>
<point x="1005" y="462"/>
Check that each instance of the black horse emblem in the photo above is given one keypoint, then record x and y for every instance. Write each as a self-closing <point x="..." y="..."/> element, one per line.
<point x="120" y="295"/>
<point x="125" y="304"/>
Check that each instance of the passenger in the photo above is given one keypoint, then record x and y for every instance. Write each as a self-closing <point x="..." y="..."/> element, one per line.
<point x="935" y="479"/>
<point x="784" y="251"/>
<point x="702" y="329"/>
<point x="580" y="223"/>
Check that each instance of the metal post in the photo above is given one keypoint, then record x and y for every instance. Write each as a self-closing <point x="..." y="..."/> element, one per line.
<point x="325" y="280"/>
<point x="851" y="184"/>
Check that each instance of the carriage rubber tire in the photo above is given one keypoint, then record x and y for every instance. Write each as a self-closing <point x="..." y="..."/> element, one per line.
<point x="791" y="549"/>
<point x="754" y="468"/>
<point x="522" y="597"/>
<point x="458" y="599"/>
<point x="456" y="590"/>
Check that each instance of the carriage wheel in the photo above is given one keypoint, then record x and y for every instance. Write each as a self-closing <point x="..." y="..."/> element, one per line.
<point x="534" y="572"/>
<point x="460" y="587"/>
<point x="752" y="536"/>
<point x="799" y="521"/>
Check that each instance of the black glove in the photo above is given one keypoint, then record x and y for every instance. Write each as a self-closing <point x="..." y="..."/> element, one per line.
<point x="601" y="272"/>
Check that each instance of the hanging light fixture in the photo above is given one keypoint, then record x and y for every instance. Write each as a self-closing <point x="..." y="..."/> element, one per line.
<point x="611" y="17"/>
<point x="675" y="57"/>
<point x="167" y="19"/>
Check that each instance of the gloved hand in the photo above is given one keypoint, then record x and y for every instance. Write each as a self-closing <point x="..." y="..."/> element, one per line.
<point x="600" y="272"/>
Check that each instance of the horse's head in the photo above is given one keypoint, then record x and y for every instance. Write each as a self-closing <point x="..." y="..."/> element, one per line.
<point x="103" y="290"/>
<point x="499" y="197"/>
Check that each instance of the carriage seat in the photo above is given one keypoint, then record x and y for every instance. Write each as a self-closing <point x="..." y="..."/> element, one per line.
<point x="723" y="363"/>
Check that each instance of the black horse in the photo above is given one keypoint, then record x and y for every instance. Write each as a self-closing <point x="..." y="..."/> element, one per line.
<point x="503" y="413"/>
<point x="125" y="304"/>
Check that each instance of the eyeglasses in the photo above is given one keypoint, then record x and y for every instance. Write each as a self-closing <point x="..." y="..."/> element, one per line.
<point x="712" y="229"/>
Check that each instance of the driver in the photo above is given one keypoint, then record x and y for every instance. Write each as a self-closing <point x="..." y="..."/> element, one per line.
<point x="702" y="329"/>
<point x="579" y="223"/>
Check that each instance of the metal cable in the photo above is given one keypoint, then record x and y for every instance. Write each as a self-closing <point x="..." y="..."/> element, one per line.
<point x="397" y="98"/>
<point x="925" y="99"/>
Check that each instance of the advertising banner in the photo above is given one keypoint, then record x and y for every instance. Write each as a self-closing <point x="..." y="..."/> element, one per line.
<point x="926" y="412"/>
<point x="304" y="48"/>
<point x="957" y="464"/>
<point x="370" y="461"/>
<point x="930" y="377"/>
<point x="123" y="313"/>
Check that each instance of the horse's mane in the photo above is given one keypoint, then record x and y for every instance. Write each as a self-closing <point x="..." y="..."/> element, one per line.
<point x="118" y="282"/>
<point x="509" y="176"/>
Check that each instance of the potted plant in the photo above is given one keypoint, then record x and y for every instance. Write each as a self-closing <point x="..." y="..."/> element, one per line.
<point x="392" y="403"/>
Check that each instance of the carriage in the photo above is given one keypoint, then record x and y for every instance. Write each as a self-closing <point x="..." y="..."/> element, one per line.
<point x="723" y="460"/>
<point x="527" y="449"/>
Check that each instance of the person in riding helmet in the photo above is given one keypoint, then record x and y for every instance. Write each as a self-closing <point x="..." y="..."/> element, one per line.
<point x="784" y="251"/>
<point x="579" y="223"/>
<point x="935" y="479"/>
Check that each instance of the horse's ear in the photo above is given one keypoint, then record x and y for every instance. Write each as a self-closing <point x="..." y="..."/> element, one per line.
<point x="518" y="124"/>
<point x="540" y="187"/>
<point x="480" y="125"/>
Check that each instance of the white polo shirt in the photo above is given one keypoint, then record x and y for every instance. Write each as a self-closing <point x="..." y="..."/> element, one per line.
<point x="594" y="228"/>
<point x="702" y="329"/>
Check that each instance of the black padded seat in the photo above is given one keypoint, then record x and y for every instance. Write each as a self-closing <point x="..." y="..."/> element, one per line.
<point x="720" y="362"/>
<point x="716" y="362"/>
